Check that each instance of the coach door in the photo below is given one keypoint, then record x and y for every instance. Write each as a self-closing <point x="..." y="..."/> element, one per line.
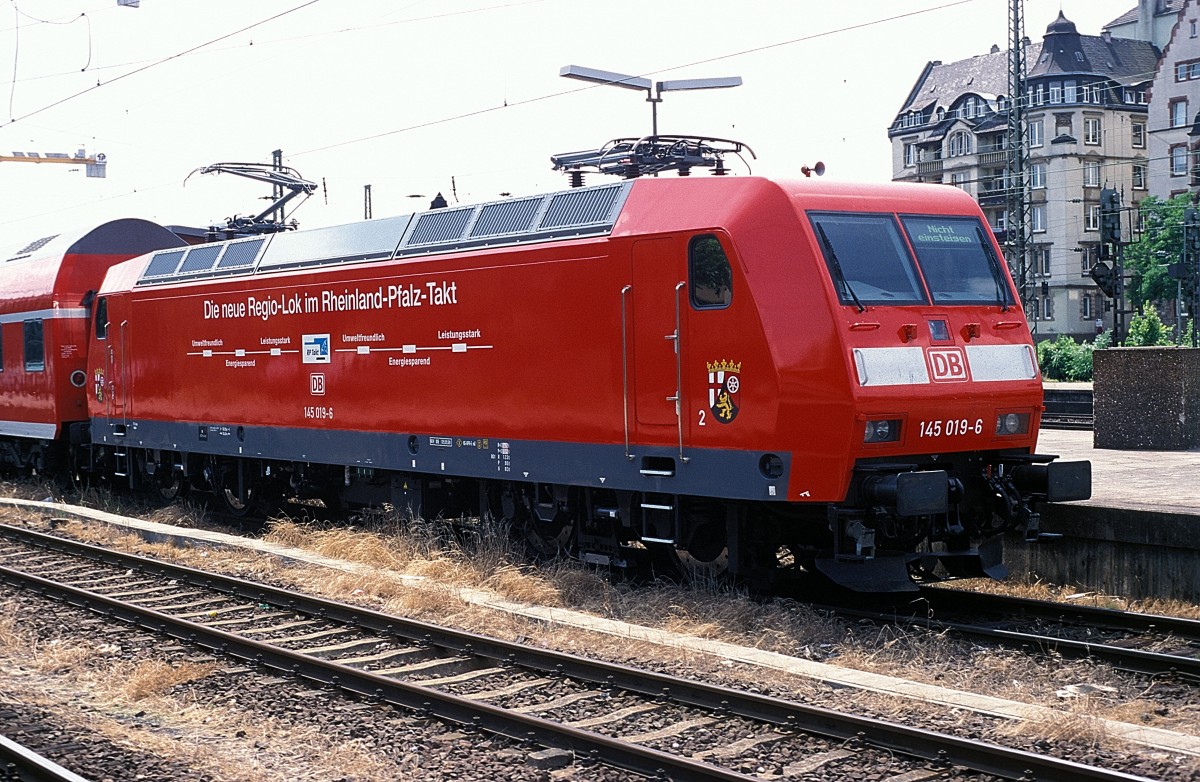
<point x="658" y="306"/>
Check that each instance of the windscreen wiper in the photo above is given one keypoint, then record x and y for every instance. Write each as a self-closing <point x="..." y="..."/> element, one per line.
<point x="994" y="266"/>
<point x="837" y="268"/>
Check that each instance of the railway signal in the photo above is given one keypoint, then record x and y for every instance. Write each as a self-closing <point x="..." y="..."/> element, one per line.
<point x="1109" y="272"/>
<point x="1187" y="270"/>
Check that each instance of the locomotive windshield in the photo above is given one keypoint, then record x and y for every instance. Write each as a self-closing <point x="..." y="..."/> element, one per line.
<point x="957" y="261"/>
<point x="871" y="263"/>
<point x="867" y="258"/>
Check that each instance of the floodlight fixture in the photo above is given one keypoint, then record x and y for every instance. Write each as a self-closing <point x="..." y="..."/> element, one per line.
<point x="654" y="90"/>
<point x="699" y="84"/>
<point x="605" y="77"/>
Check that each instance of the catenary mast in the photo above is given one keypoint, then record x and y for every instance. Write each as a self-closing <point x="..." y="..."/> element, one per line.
<point x="1017" y="237"/>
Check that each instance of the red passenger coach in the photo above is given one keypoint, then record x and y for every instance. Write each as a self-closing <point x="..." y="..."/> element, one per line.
<point x="774" y="377"/>
<point x="46" y="289"/>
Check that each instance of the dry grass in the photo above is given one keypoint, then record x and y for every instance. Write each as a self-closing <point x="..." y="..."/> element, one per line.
<point x="487" y="558"/>
<point x="155" y="677"/>
<point x="1036" y="589"/>
<point x="89" y="688"/>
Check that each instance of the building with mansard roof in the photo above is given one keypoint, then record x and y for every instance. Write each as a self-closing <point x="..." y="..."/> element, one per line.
<point x="1086" y="108"/>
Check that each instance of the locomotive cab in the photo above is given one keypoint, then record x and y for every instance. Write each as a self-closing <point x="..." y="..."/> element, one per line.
<point x="947" y="397"/>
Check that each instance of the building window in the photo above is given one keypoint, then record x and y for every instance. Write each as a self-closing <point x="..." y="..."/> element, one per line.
<point x="1091" y="173"/>
<point x="960" y="179"/>
<point x="1187" y="71"/>
<point x="1034" y="133"/>
<point x="1089" y="254"/>
<point x="1041" y="261"/>
<point x="1139" y="176"/>
<point x="1139" y="134"/>
<point x="910" y="155"/>
<point x="1179" y="160"/>
<point x="1092" y="218"/>
<point x="1037" y="176"/>
<point x="1047" y="308"/>
<point x="1195" y="158"/>
<point x="1091" y="130"/>
<point x="1179" y="113"/>
<point x="35" y="349"/>
<point x="1056" y="92"/>
<point x="959" y="144"/>
<point x="1037" y="218"/>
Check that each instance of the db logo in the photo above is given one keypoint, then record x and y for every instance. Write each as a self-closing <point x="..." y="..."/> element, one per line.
<point x="316" y="384"/>
<point x="948" y="365"/>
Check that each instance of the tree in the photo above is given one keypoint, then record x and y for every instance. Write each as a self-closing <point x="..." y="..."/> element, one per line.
<point x="1147" y="331"/>
<point x="1160" y="243"/>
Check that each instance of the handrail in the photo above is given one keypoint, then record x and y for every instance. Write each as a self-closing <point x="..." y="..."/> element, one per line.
<point x="625" y="367"/>
<point x="678" y="398"/>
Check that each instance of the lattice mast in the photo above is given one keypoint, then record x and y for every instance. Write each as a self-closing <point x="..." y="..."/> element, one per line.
<point x="1017" y="233"/>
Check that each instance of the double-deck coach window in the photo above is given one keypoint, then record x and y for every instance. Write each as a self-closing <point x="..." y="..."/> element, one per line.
<point x="709" y="272"/>
<point x="35" y="347"/>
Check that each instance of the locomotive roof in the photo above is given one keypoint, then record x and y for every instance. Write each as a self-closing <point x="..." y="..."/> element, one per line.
<point x="586" y="212"/>
<point x="579" y="212"/>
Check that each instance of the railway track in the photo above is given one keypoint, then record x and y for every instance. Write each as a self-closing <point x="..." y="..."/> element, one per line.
<point x="21" y="764"/>
<point x="1067" y="408"/>
<point x="1127" y="640"/>
<point x="589" y="708"/>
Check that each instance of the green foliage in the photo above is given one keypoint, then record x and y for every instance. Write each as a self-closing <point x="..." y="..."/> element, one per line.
<point x="1066" y="359"/>
<point x="1159" y="244"/>
<point x="1148" y="330"/>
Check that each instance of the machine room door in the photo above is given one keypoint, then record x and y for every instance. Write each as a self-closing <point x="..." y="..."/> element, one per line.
<point x="657" y="272"/>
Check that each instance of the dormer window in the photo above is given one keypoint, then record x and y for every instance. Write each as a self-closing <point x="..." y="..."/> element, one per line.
<point x="958" y="144"/>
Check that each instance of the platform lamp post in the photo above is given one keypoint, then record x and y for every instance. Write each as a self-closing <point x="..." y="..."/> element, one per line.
<point x="654" y="90"/>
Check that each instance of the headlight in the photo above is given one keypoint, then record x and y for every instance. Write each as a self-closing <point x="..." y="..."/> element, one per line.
<point x="1012" y="423"/>
<point x="886" y="431"/>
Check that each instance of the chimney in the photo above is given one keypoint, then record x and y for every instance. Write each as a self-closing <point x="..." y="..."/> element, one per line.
<point x="995" y="49"/>
<point x="1145" y="19"/>
<point x="1106" y="36"/>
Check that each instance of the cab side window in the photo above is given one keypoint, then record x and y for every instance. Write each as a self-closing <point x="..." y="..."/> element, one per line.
<point x="101" y="318"/>
<point x="709" y="273"/>
<point x="35" y="347"/>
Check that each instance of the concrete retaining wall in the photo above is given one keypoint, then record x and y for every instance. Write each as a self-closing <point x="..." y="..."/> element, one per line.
<point x="1147" y="398"/>
<point x="1118" y="551"/>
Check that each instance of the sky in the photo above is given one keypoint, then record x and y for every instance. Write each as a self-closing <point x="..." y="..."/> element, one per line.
<point x="461" y="97"/>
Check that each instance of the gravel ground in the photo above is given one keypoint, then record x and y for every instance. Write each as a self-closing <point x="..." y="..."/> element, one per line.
<point x="1076" y="736"/>
<point x="231" y="724"/>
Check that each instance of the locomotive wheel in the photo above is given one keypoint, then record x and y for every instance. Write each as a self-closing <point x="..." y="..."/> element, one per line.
<point x="548" y="538"/>
<point x="706" y="555"/>
<point x="164" y="486"/>
<point x="237" y="500"/>
<point x="168" y="485"/>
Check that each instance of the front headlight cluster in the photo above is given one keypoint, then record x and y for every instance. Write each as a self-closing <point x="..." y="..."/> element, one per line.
<point x="1012" y="424"/>
<point x="883" y="431"/>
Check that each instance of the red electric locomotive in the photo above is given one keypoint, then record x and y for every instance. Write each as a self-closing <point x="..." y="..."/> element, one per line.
<point x="775" y="377"/>
<point x="46" y="289"/>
